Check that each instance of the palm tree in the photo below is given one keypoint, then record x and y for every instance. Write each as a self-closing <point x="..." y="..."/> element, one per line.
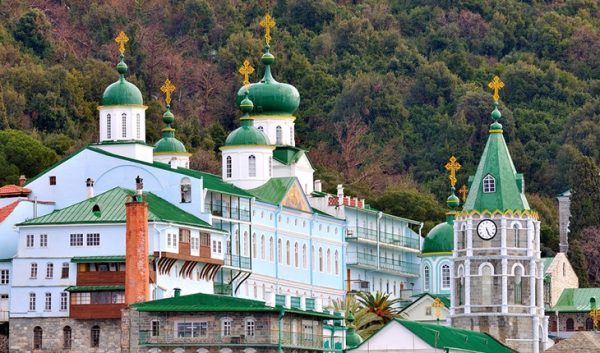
<point x="366" y="323"/>
<point x="379" y="304"/>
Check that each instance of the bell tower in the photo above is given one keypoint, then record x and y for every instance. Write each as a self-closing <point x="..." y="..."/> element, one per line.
<point x="497" y="274"/>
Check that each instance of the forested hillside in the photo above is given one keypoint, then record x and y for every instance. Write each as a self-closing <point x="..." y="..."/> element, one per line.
<point x="389" y="89"/>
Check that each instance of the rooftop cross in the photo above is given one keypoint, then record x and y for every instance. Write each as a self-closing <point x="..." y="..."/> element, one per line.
<point x="267" y="23"/>
<point x="463" y="191"/>
<point x="121" y="40"/>
<point x="496" y="85"/>
<point x="438" y="305"/>
<point x="246" y="70"/>
<point x="167" y="88"/>
<point x="595" y="314"/>
<point x="452" y="166"/>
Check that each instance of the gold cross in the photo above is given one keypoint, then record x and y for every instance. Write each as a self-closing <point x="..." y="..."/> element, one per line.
<point x="267" y="23"/>
<point x="595" y="314"/>
<point x="167" y="88"/>
<point x="452" y="167"/>
<point x="438" y="305"/>
<point x="246" y="70"/>
<point x="496" y="84"/>
<point x="463" y="192"/>
<point x="122" y="39"/>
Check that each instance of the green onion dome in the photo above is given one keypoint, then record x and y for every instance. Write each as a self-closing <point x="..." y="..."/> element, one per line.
<point x="353" y="339"/>
<point x="439" y="239"/>
<point x="122" y="92"/>
<point x="246" y="134"/>
<point x="168" y="143"/>
<point x="269" y="96"/>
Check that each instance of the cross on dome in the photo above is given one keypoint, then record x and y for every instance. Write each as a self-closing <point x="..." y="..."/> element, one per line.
<point x="167" y="88"/>
<point x="267" y="23"/>
<point x="246" y="70"/>
<point x="496" y="85"/>
<point x="463" y="191"/>
<point x="121" y="40"/>
<point x="452" y="166"/>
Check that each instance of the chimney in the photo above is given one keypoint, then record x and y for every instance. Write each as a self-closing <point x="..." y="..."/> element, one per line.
<point x="137" y="269"/>
<point x="362" y="201"/>
<point x="177" y="292"/>
<point x="89" y="183"/>
<point x="22" y="180"/>
<point x="340" y="194"/>
<point x="318" y="185"/>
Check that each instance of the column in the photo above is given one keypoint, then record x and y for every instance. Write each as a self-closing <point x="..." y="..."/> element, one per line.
<point x="503" y="252"/>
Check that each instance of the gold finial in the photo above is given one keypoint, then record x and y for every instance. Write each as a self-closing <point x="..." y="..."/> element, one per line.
<point x="122" y="39"/>
<point x="496" y="85"/>
<point x="595" y="314"/>
<point x="464" y="190"/>
<point x="167" y="88"/>
<point x="438" y="305"/>
<point x="267" y="23"/>
<point x="452" y="167"/>
<point x="246" y="70"/>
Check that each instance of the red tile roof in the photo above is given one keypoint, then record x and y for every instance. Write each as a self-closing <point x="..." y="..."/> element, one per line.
<point x="10" y="190"/>
<point x="7" y="210"/>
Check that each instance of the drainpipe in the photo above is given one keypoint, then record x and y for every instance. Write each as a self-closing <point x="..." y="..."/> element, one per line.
<point x="280" y="324"/>
<point x="379" y="216"/>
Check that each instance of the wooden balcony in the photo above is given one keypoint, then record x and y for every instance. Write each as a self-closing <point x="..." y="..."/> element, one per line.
<point x="97" y="278"/>
<point x="185" y="254"/>
<point x="96" y="311"/>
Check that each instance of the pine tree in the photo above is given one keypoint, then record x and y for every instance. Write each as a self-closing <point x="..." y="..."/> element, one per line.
<point x="585" y="196"/>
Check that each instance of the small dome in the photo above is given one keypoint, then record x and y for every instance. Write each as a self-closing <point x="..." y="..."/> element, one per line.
<point x="122" y="92"/>
<point x="169" y="145"/>
<point x="247" y="134"/>
<point x="439" y="239"/>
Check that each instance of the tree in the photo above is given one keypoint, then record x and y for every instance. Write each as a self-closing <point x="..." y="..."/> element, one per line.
<point x="33" y="30"/>
<point x="25" y="153"/>
<point x="365" y="322"/>
<point x="587" y="244"/>
<point x="585" y="197"/>
<point x="379" y="304"/>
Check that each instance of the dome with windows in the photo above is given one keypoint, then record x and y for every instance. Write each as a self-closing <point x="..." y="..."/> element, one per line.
<point x="122" y="92"/>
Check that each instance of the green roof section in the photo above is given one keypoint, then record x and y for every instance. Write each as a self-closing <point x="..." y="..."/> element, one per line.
<point x="574" y="300"/>
<point x="201" y="302"/>
<point x="439" y="239"/>
<point x="497" y="163"/>
<point x="75" y="289"/>
<point x="169" y="144"/>
<point x="274" y="190"/>
<point x="100" y="259"/>
<point x="109" y="207"/>
<point x="287" y="155"/>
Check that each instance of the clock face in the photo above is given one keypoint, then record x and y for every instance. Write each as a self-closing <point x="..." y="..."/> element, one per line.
<point x="486" y="229"/>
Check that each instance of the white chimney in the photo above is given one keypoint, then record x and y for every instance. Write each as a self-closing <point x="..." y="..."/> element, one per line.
<point x="89" y="183"/>
<point x="340" y="194"/>
<point x="318" y="185"/>
<point x="319" y="304"/>
<point x="288" y="301"/>
<point x="363" y="202"/>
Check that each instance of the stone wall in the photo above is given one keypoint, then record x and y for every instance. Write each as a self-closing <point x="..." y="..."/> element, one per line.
<point x="518" y="329"/>
<point x="579" y="321"/>
<point x="21" y="338"/>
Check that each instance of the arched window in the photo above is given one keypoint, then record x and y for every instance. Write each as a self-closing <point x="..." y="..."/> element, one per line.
<point x="270" y="166"/>
<point x="37" y="337"/>
<point x="446" y="276"/>
<point x="271" y="251"/>
<point x="252" y="166"/>
<point x="336" y="263"/>
<point x="515" y="229"/>
<point x="459" y="285"/>
<point x="49" y="270"/>
<point x="489" y="184"/>
<point x="328" y="261"/>
<point x="291" y="136"/>
<point x="138" y="126"/>
<point x="260" y="128"/>
<point x="95" y="336"/>
<point x="589" y="324"/>
<point x="320" y="260"/>
<point x="486" y="284"/>
<point x="124" y="125"/>
<point x="278" y="136"/>
<point x="570" y="325"/>
<point x="296" y="254"/>
<point x="463" y="236"/>
<point x="426" y="277"/>
<point x="304" y="259"/>
<point x="67" y="337"/>
<point x="287" y="253"/>
<point x="186" y="190"/>
<point x="246" y="244"/>
<point x="279" y="251"/>
<point x="518" y="285"/>
<point x="262" y="247"/>
<point x="254" y="245"/>
<point x="34" y="268"/>
<point x="108" y="126"/>
<point x="228" y="167"/>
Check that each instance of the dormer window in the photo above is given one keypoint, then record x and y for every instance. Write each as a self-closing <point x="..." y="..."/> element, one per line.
<point x="489" y="184"/>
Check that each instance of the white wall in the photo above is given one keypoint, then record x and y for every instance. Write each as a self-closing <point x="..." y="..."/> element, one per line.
<point x="116" y="116"/>
<point x="239" y="162"/>
<point x="269" y="127"/>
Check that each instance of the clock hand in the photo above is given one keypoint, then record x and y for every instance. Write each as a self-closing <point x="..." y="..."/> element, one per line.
<point x="488" y="232"/>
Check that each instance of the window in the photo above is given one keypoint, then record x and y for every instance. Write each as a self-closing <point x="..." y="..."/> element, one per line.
<point x="304" y="259"/>
<point x="93" y="239"/>
<point x="295" y="254"/>
<point x="108" y="126"/>
<point x="138" y="126"/>
<point x="278" y="136"/>
<point x="261" y="128"/>
<point x="336" y="264"/>
<point x="95" y="334"/>
<point x="31" y="301"/>
<point x="271" y="250"/>
<point x="49" y="270"/>
<point x="52" y="180"/>
<point x="186" y="190"/>
<point x="570" y="325"/>
<point x="192" y="329"/>
<point x="245" y="244"/>
<point x="279" y="251"/>
<point x="228" y="166"/>
<point x="37" y="337"/>
<point x="328" y="261"/>
<point x="34" y="268"/>
<point x="76" y="239"/>
<point x="30" y="240"/>
<point x="291" y="135"/>
<point x="67" y="333"/>
<point x="518" y="285"/>
<point x="155" y="328"/>
<point x="515" y="229"/>
<point x="320" y="260"/>
<point x="307" y="331"/>
<point x="252" y="166"/>
<point x="43" y="240"/>
<point x="250" y="326"/>
<point x="123" y="128"/>
<point x="4" y="277"/>
<point x="287" y="253"/>
<point x="48" y="302"/>
<point x="64" y="301"/>
<point x="270" y="166"/>
<point x="426" y="278"/>
<point x="486" y="284"/>
<point x="226" y="328"/>
<point x="489" y="184"/>
<point x="254" y="245"/>
<point x="262" y="247"/>
<point x="446" y="276"/>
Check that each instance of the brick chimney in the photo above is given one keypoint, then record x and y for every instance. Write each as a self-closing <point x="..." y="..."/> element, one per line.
<point x="22" y="180"/>
<point x="137" y="268"/>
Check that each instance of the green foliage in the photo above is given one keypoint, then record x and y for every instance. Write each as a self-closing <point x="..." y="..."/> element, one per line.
<point x="33" y="29"/>
<point x="585" y="196"/>
<point x="22" y="154"/>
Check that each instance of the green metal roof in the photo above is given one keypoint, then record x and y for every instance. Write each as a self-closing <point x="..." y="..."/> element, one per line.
<point x="201" y="302"/>
<point x="118" y="287"/>
<point x="122" y="92"/>
<point x="169" y="145"/>
<point x="287" y="154"/>
<point x="318" y="194"/>
<point x="247" y="134"/>
<point x="547" y="261"/>
<point x="496" y="161"/>
<point x="274" y="190"/>
<point x="439" y="239"/>
<point x="576" y="300"/>
<point x="101" y="259"/>
<point x="111" y="205"/>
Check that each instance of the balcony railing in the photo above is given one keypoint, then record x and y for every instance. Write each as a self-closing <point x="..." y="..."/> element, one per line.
<point x="384" y="237"/>
<point x="382" y="263"/>
<point x="261" y="338"/>
<point x="223" y="288"/>
<point x="238" y="261"/>
<point x="220" y="210"/>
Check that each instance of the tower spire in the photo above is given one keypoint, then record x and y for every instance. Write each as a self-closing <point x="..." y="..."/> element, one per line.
<point x="453" y="201"/>
<point x="168" y="118"/>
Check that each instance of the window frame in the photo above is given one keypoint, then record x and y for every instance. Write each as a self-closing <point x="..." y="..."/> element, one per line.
<point x="489" y="184"/>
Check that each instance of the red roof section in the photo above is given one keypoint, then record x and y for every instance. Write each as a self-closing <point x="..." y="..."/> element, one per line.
<point x="7" y="210"/>
<point x="10" y="190"/>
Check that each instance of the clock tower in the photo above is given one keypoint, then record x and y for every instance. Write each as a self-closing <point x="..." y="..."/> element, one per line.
<point x="497" y="274"/>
